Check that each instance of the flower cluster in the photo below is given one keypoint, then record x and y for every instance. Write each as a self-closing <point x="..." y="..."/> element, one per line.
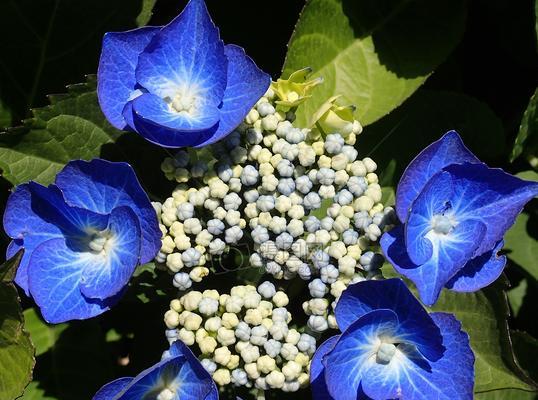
<point x="390" y="347"/>
<point x="304" y="203"/>
<point x="244" y="337"/>
<point x="82" y="237"/>
<point x="455" y="211"/>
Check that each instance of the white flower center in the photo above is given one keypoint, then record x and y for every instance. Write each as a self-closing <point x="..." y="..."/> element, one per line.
<point x="442" y="224"/>
<point x="166" y="394"/>
<point x="101" y="242"/>
<point x="185" y="101"/>
<point x="385" y="352"/>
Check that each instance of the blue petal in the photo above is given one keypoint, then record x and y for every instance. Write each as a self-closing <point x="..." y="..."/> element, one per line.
<point x="434" y="199"/>
<point x="187" y="54"/>
<point x="116" y="74"/>
<point x="214" y="392"/>
<point x="409" y="376"/>
<point x="155" y="110"/>
<point x="490" y="195"/>
<point x="163" y="136"/>
<point x="479" y="272"/>
<point x="447" y="150"/>
<point x="317" y="370"/>
<point x="449" y="256"/>
<point x="345" y="363"/>
<point x="101" y="186"/>
<point x="107" y="278"/>
<point x="54" y="274"/>
<point x="415" y="323"/>
<point x="112" y="389"/>
<point x="246" y="84"/>
<point x="27" y="229"/>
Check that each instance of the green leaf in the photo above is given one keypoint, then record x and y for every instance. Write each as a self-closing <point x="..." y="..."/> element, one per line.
<point x="41" y="152"/>
<point x="529" y="175"/>
<point x="516" y="296"/>
<point x="71" y="127"/>
<point x="526" y="350"/>
<point x="483" y="315"/>
<point x="527" y="139"/>
<point x="374" y="53"/>
<point x="146" y="12"/>
<point x="43" y="336"/>
<point x="522" y="245"/>
<point x="35" y="392"/>
<point x="16" y="350"/>
<point x="388" y="197"/>
<point x="507" y="394"/>
<point x="424" y="118"/>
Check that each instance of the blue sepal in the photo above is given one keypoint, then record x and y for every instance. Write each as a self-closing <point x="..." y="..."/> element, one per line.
<point x="479" y="272"/>
<point x="112" y="389"/>
<point x="445" y="151"/>
<point x="116" y="81"/>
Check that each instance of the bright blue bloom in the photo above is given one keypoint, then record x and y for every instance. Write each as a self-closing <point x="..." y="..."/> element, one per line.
<point x="178" y="376"/>
<point x="390" y="347"/>
<point x="177" y="85"/>
<point x="82" y="237"/>
<point x="455" y="211"/>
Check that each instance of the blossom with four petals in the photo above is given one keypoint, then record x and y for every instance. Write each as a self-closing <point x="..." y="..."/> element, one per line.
<point x="454" y="211"/>
<point x="177" y="85"/>
<point x="391" y="348"/>
<point x="82" y="236"/>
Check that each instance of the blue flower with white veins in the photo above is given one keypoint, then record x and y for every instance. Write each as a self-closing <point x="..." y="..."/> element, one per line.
<point x="179" y="375"/>
<point x="177" y="85"/>
<point x="454" y="211"/>
<point x="390" y="347"/>
<point x="82" y="237"/>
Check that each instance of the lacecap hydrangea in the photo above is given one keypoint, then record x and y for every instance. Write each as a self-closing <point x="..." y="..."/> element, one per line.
<point x="177" y="85"/>
<point x="82" y="236"/>
<point x="454" y="211"/>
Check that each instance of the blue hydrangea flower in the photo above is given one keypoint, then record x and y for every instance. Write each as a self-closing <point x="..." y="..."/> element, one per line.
<point x="82" y="237"/>
<point x="178" y="376"/>
<point x="390" y="347"/>
<point x="177" y="85"/>
<point x="455" y="211"/>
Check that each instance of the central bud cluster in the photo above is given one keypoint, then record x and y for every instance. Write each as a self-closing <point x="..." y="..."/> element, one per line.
<point x="443" y="224"/>
<point x="296" y="202"/>
<point x="166" y="394"/>
<point x="100" y="242"/>
<point x="385" y="352"/>
<point x="185" y="101"/>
